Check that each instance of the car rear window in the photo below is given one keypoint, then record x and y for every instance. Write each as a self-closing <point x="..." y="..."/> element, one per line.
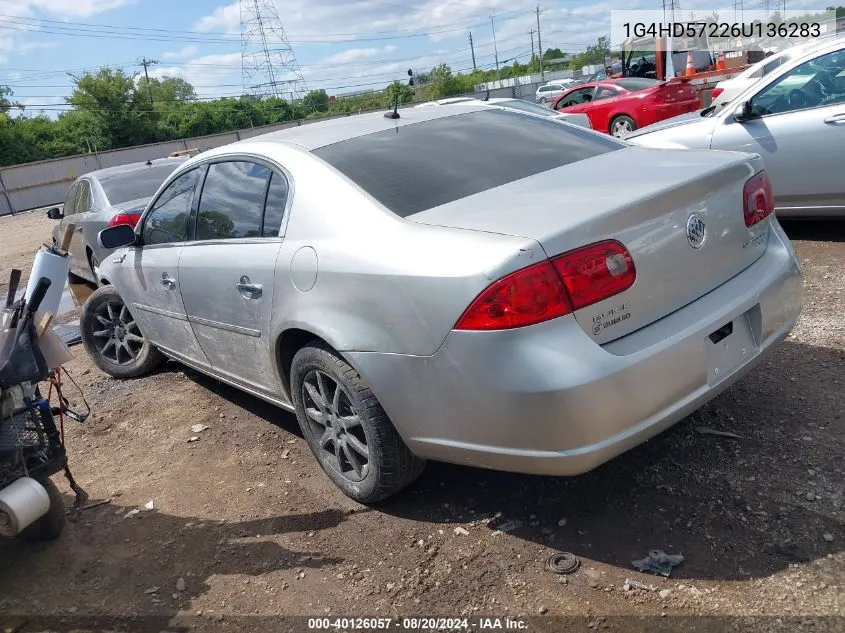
<point x="416" y="167"/>
<point x="632" y="84"/>
<point x="132" y="185"/>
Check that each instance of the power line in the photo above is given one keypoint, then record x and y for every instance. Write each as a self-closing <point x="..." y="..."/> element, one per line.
<point x="105" y="27"/>
<point x="19" y="24"/>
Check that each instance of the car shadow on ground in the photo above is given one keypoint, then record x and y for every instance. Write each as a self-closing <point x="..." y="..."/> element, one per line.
<point x="735" y="508"/>
<point x="174" y="547"/>
<point x="815" y="230"/>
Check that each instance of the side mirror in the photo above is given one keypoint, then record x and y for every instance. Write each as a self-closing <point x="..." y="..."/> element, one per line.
<point x="116" y="236"/>
<point x="743" y="112"/>
<point x="55" y="214"/>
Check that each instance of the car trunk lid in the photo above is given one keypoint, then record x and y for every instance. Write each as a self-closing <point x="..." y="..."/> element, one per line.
<point x="649" y="200"/>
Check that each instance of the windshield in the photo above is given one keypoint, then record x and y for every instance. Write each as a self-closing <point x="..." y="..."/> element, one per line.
<point x="133" y="185"/>
<point x="411" y="168"/>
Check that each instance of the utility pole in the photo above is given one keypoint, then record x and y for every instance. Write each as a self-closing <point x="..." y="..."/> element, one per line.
<point x="531" y="32"/>
<point x="148" y="62"/>
<point x="495" y="48"/>
<point x="472" y="48"/>
<point x="540" y="46"/>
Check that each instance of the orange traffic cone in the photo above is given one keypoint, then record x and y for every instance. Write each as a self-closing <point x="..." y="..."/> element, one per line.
<point x="720" y="61"/>
<point x="690" y="66"/>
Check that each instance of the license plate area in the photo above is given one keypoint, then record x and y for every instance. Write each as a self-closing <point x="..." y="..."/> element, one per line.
<point x="729" y="346"/>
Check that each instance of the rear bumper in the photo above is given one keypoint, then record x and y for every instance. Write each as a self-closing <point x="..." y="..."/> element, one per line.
<point x="547" y="400"/>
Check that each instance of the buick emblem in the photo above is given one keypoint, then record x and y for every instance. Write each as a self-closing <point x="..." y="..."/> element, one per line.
<point x="696" y="231"/>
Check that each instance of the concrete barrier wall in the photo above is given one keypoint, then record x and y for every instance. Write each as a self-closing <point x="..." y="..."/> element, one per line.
<point x="43" y="183"/>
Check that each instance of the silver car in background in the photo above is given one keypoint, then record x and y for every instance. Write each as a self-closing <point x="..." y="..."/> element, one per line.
<point x="414" y="288"/>
<point x="794" y="119"/>
<point x="550" y="91"/>
<point x="103" y="198"/>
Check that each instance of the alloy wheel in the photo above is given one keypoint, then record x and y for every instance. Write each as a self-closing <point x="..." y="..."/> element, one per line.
<point x="119" y="340"/>
<point x="621" y="128"/>
<point x="335" y="425"/>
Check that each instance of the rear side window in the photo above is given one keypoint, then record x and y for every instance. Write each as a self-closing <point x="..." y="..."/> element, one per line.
<point x="277" y="198"/>
<point x="232" y="201"/>
<point x="416" y="167"/>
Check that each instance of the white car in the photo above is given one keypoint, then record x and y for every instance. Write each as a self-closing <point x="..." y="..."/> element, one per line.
<point x="553" y="89"/>
<point x="727" y="90"/>
<point x="522" y="105"/>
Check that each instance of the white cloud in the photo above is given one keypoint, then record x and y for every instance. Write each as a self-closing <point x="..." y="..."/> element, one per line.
<point x="186" y="51"/>
<point x="75" y="8"/>
<point x="27" y="47"/>
<point x="226" y="18"/>
<point x="357" y="54"/>
<point x="211" y="75"/>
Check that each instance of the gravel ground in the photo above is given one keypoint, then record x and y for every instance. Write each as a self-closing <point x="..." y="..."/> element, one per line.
<point x="246" y="528"/>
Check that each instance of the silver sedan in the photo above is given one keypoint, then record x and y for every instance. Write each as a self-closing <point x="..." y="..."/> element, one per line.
<point x="794" y="118"/>
<point x="103" y="198"/>
<point x="414" y="288"/>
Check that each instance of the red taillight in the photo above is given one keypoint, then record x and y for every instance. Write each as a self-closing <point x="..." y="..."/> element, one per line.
<point x="717" y="92"/>
<point x="526" y="297"/>
<point x="125" y="218"/>
<point x="758" y="201"/>
<point x="595" y="272"/>
<point x="552" y="288"/>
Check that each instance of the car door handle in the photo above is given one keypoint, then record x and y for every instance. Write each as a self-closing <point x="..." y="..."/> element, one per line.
<point x="835" y="119"/>
<point x="168" y="282"/>
<point x="248" y="289"/>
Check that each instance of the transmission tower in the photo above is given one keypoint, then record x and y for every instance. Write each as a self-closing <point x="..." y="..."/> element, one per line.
<point x="268" y="65"/>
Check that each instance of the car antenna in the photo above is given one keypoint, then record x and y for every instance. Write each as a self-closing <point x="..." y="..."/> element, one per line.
<point x="394" y="114"/>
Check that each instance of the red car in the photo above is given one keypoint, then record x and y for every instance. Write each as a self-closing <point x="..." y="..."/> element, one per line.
<point x="619" y="106"/>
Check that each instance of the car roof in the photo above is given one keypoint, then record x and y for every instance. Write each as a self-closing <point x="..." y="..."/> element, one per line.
<point x="117" y="170"/>
<point x="327" y="132"/>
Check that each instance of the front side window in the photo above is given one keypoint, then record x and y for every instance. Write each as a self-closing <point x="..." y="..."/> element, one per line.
<point x="167" y="221"/>
<point x="232" y="201"/>
<point x="83" y="201"/>
<point x="582" y="95"/>
<point x="814" y="84"/>
<point x="69" y="207"/>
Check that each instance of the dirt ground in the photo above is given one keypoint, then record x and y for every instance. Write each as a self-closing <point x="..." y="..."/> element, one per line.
<point x="246" y="528"/>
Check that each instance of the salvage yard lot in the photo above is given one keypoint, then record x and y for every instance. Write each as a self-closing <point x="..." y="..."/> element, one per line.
<point x="249" y="523"/>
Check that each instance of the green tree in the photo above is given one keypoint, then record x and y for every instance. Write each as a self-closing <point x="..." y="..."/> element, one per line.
<point x="111" y="96"/>
<point x="316" y="101"/>
<point x="6" y="102"/>
<point x="594" y="54"/>
<point x="398" y="90"/>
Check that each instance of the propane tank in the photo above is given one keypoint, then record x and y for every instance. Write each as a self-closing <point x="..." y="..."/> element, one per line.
<point x="22" y="504"/>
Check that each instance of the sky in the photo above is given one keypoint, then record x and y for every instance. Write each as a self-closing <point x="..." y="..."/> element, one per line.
<point x="340" y="45"/>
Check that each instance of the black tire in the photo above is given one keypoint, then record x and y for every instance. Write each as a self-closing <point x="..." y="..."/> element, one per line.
<point x="111" y="337"/>
<point x="51" y="524"/>
<point x="622" y="125"/>
<point x="93" y="264"/>
<point x="390" y="465"/>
